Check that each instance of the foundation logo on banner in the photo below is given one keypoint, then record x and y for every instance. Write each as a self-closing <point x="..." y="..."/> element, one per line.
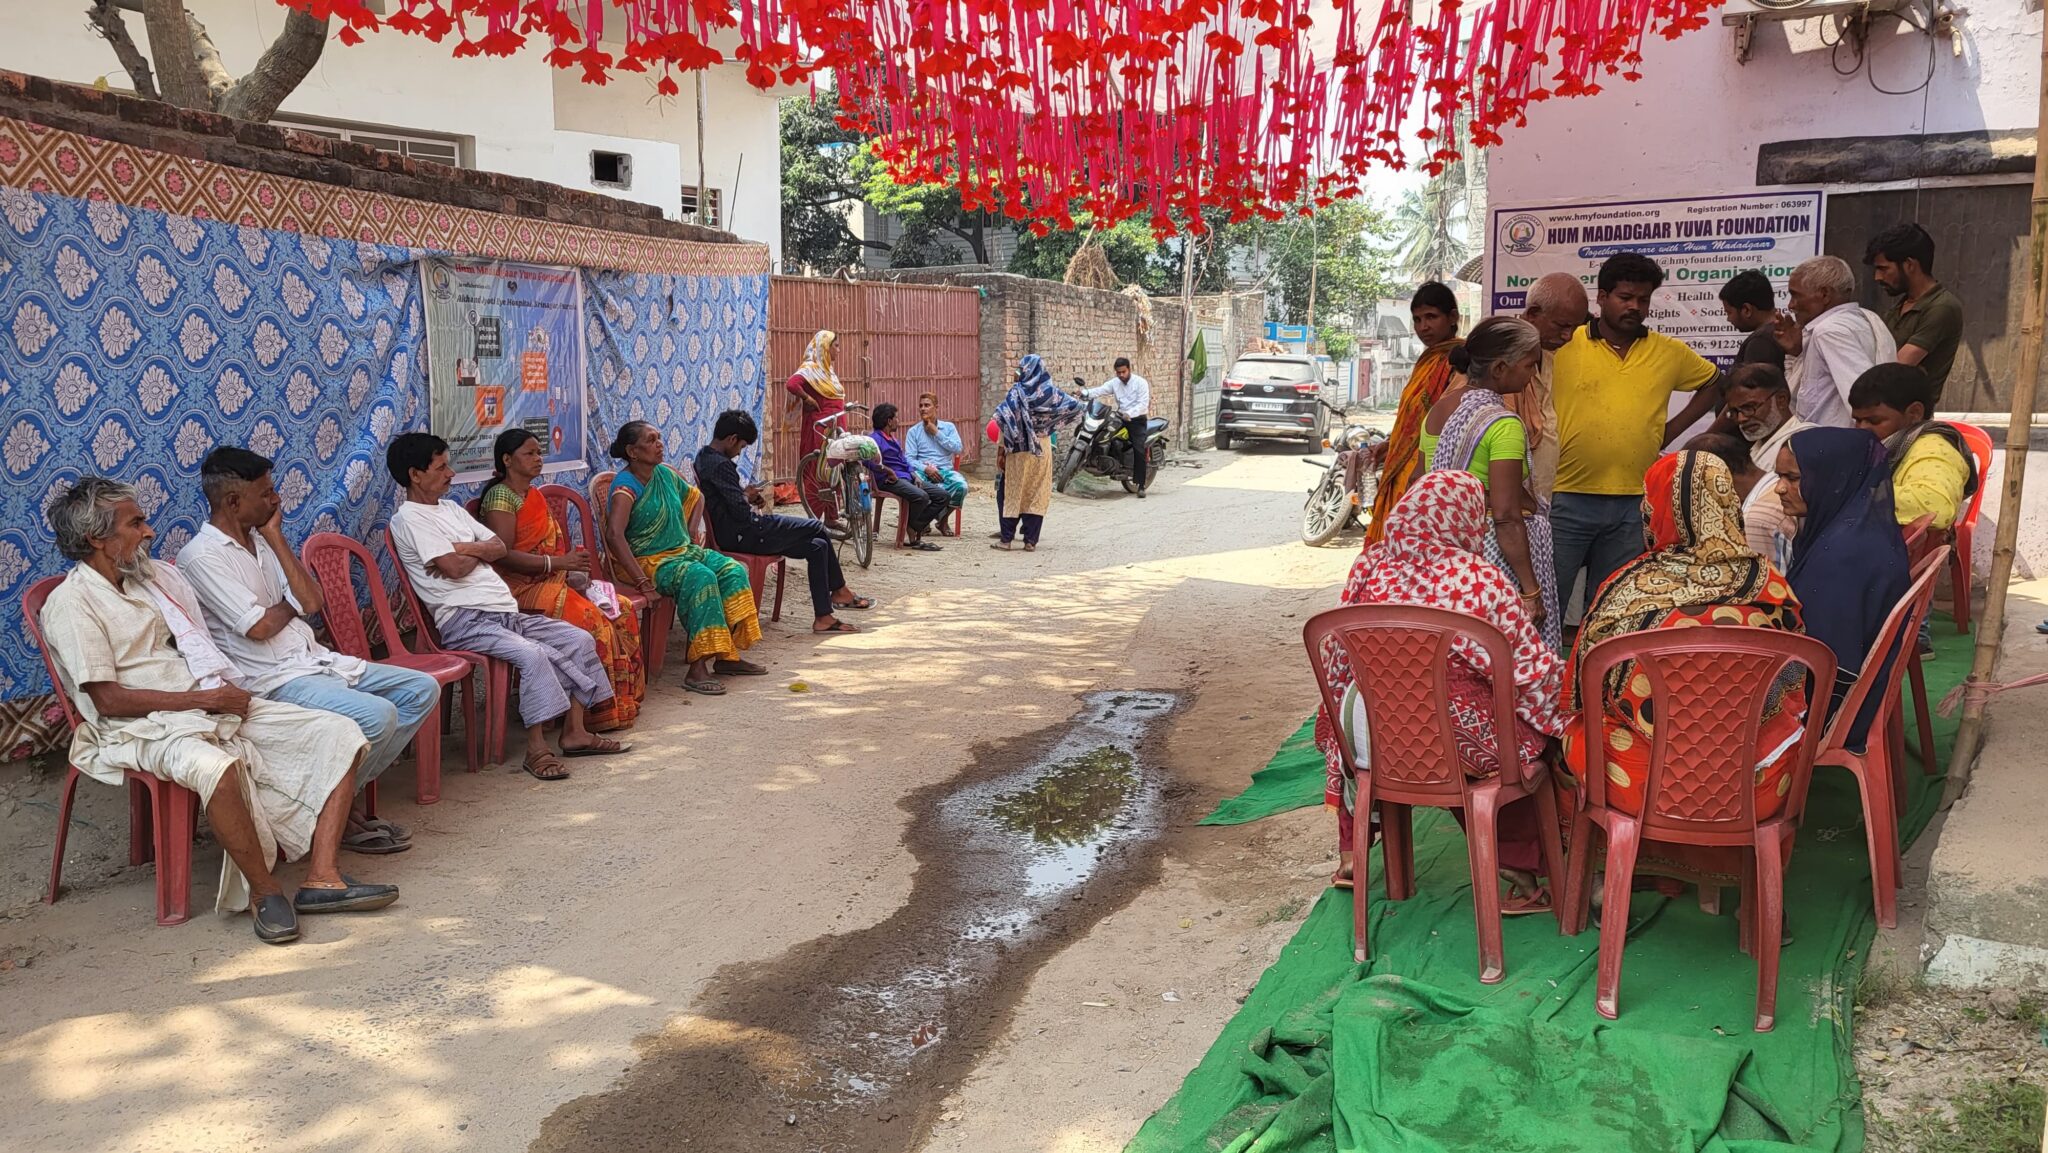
<point x="1521" y="235"/>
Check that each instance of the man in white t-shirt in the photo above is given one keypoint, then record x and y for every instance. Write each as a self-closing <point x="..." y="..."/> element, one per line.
<point x="1829" y="340"/>
<point x="256" y="596"/>
<point x="446" y="555"/>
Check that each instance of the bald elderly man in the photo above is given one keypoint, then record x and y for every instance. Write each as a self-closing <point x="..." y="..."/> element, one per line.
<point x="1829" y="340"/>
<point x="1557" y="304"/>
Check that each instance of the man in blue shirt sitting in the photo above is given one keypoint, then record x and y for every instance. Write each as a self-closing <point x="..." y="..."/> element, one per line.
<point x="932" y="446"/>
<point x="922" y="499"/>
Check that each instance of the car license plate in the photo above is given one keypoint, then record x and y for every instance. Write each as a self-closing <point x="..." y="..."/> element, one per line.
<point x="1269" y="406"/>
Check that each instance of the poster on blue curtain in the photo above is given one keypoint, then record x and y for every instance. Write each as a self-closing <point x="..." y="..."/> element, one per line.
<point x="504" y="352"/>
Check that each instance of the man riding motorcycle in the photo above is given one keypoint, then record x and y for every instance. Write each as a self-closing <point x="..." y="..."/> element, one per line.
<point x="1134" y="403"/>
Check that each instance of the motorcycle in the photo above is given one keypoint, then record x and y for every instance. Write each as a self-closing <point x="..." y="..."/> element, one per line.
<point x="1102" y="445"/>
<point x="1349" y="481"/>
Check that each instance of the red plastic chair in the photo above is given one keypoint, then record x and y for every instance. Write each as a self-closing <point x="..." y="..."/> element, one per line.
<point x="658" y="614"/>
<point x="903" y="511"/>
<point x="1965" y="530"/>
<point x="1399" y="655"/>
<point x="162" y="817"/>
<point x="1708" y="686"/>
<point x="1877" y="775"/>
<point x="1921" y="541"/>
<point x="497" y="674"/>
<point x="331" y="558"/>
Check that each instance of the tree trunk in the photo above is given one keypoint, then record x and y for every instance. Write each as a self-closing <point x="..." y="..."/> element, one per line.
<point x="177" y="59"/>
<point x="279" y="70"/>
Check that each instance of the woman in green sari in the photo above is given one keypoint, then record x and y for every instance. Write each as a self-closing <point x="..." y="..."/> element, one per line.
<point x="649" y="521"/>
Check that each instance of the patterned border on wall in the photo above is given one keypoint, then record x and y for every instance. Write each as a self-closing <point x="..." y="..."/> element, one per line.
<point x="61" y="163"/>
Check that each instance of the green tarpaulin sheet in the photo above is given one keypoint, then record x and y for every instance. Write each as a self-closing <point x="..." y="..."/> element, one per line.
<point x="1410" y="1053"/>
<point x="1293" y="779"/>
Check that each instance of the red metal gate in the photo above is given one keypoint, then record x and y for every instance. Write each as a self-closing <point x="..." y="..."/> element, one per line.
<point x="895" y="341"/>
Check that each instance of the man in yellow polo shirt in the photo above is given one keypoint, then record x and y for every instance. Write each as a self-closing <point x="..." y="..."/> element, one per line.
<point x="1612" y="385"/>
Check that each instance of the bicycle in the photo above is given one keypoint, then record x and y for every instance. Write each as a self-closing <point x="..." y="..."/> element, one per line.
<point x="841" y="495"/>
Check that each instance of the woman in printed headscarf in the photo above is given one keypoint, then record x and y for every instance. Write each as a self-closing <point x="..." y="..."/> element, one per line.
<point x="1432" y="556"/>
<point x="1699" y="570"/>
<point x="816" y="387"/>
<point x="1434" y="311"/>
<point x="1028" y="414"/>
<point x="1849" y="563"/>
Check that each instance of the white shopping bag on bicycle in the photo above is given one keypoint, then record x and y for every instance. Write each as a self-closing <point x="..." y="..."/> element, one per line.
<point x="853" y="448"/>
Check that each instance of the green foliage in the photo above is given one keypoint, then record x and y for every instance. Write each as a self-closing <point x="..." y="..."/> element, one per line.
<point x="927" y="211"/>
<point x="1129" y="247"/>
<point x="1340" y="343"/>
<point x="818" y="185"/>
<point x="1344" y="243"/>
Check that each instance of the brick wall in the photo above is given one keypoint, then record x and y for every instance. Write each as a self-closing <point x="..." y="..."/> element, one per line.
<point x="1078" y="331"/>
<point x="282" y="152"/>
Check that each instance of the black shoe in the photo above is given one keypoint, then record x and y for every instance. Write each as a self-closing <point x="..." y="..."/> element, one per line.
<point x="276" y="924"/>
<point x="356" y="898"/>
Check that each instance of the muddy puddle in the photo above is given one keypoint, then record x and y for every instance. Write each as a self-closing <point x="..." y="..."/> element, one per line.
<point x="848" y="1043"/>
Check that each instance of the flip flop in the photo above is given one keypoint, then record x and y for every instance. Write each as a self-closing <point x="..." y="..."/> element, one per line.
<point x="374" y="843"/>
<point x="1001" y="546"/>
<point x="398" y="832"/>
<point x="356" y="898"/>
<point x="838" y="626"/>
<point x="924" y="546"/>
<point x="1522" y="904"/>
<point x="535" y="763"/>
<point x="859" y="604"/>
<point x="605" y="746"/>
<point x="276" y="923"/>
<point x="1339" y="881"/>
<point x="708" y="688"/>
<point x="738" y="669"/>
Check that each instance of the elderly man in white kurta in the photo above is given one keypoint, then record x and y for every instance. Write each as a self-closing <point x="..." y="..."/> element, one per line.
<point x="156" y="697"/>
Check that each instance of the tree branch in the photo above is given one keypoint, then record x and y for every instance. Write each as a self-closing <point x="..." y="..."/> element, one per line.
<point x="171" y="46"/>
<point x="218" y="81"/>
<point x="105" y="16"/>
<point x="282" y="66"/>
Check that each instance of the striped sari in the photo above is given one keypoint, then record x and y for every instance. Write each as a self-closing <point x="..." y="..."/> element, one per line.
<point x="714" y="598"/>
<point x="1401" y="460"/>
<point x="536" y="531"/>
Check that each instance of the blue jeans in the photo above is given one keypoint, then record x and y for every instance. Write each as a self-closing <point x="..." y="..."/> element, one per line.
<point x="1598" y="534"/>
<point x="387" y="703"/>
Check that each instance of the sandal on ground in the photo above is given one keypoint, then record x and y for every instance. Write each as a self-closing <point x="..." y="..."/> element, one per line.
<point x="738" y="669"/>
<point x="942" y="530"/>
<point x="544" y="767"/>
<point x="276" y="924"/>
<point x="373" y="842"/>
<point x="1520" y="904"/>
<point x="1029" y="547"/>
<point x="398" y="832"/>
<point x="923" y="546"/>
<point x="1340" y="879"/>
<point x="605" y="746"/>
<point x="355" y="898"/>
<point x="1003" y="545"/>
<point x="837" y="626"/>
<point x="857" y="603"/>
<point x="707" y="687"/>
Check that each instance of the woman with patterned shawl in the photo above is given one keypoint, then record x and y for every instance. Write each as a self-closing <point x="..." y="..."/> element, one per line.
<point x="1431" y="556"/>
<point x="649" y="521"/>
<point x="1699" y="570"/>
<point x="1478" y="433"/>
<point x="1849" y="559"/>
<point x="816" y="386"/>
<point x="1032" y="409"/>
<point x="1434" y="311"/>
<point x="546" y="577"/>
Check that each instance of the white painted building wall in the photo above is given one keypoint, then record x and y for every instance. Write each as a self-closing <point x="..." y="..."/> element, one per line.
<point x="513" y="114"/>
<point x="1692" y="124"/>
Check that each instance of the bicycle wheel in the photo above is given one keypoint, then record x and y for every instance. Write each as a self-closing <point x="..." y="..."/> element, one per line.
<point x="859" y="515"/>
<point x="811" y="469"/>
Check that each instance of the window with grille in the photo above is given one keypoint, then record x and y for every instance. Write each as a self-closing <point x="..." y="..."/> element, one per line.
<point x="438" y="149"/>
<point x="714" y="211"/>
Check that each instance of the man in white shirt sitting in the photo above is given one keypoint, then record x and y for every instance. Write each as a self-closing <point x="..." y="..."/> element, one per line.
<point x="1134" y="403"/>
<point x="256" y="595"/>
<point x="1829" y="340"/>
<point x="155" y="696"/>
<point x="446" y="554"/>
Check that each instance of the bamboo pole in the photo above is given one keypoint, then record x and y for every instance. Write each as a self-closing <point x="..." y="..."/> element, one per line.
<point x="1991" y="632"/>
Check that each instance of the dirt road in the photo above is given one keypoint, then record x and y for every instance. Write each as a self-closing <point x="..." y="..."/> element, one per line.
<point x="788" y="919"/>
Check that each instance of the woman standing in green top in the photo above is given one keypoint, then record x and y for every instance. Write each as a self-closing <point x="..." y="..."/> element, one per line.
<point x="1472" y="430"/>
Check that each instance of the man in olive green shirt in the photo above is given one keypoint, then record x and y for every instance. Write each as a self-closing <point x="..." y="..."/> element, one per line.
<point x="1927" y="322"/>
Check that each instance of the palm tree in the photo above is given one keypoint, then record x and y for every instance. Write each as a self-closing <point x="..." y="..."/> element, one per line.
<point x="1434" y="226"/>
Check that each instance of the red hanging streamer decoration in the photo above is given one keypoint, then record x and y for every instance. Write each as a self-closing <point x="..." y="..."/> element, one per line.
<point x="1045" y="109"/>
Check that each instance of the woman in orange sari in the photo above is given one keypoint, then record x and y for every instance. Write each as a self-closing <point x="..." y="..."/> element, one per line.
<point x="1435" y="314"/>
<point x="816" y="386"/>
<point x="1700" y="570"/>
<point x="547" y="578"/>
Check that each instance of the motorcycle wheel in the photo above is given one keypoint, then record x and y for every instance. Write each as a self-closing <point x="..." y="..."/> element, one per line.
<point x="1068" y="468"/>
<point x="1327" y="512"/>
<point x="1155" y="459"/>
